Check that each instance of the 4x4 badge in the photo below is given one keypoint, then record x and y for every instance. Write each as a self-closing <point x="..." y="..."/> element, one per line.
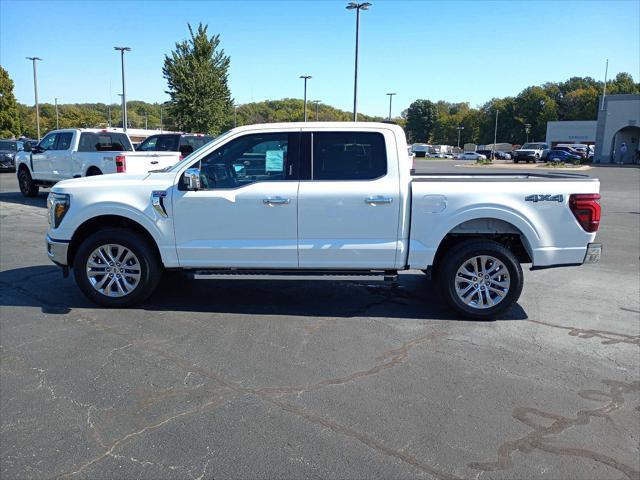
<point x="544" y="198"/>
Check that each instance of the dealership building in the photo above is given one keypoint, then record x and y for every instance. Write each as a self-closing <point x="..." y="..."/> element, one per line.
<point x="618" y="122"/>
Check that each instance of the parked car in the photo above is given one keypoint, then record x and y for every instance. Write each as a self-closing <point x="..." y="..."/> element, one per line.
<point x="206" y="215"/>
<point x="502" y="155"/>
<point x="472" y="156"/>
<point x="486" y="153"/>
<point x="8" y="151"/>
<point x="558" y="155"/>
<point x="571" y="150"/>
<point x="421" y="150"/>
<point x="530" y="152"/>
<point x="71" y="153"/>
<point x="185" y="143"/>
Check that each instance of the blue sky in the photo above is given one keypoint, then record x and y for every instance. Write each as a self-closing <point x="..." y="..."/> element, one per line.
<point x="452" y="50"/>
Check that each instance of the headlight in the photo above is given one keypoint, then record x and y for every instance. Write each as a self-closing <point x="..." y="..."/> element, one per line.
<point x="57" y="204"/>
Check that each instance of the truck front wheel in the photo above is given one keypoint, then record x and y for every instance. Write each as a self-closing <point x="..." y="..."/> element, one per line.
<point x="480" y="279"/>
<point x="116" y="268"/>
<point x="27" y="187"/>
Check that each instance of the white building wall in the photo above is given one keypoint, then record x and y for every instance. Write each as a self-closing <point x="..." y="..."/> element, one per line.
<point x="579" y="131"/>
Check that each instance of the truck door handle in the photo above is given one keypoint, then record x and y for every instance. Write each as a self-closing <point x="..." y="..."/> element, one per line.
<point x="153" y="162"/>
<point x="378" y="199"/>
<point x="276" y="201"/>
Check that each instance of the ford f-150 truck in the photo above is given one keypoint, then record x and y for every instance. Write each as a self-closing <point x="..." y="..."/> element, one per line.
<point x="72" y="153"/>
<point x="320" y="199"/>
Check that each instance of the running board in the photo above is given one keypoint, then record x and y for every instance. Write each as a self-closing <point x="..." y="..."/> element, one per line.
<point x="343" y="275"/>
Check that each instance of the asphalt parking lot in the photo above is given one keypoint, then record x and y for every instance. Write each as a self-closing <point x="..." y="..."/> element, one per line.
<point x="303" y="379"/>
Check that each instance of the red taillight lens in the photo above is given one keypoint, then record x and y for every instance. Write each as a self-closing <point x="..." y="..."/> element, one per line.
<point x="586" y="209"/>
<point x="181" y="157"/>
<point x="121" y="164"/>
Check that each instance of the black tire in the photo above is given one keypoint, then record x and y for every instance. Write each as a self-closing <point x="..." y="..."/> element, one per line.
<point x="27" y="187"/>
<point x="93" y="171"/>
<point x="515" y="160"/>
<point x="457" y="256"/>
<point x="150" y="268"/>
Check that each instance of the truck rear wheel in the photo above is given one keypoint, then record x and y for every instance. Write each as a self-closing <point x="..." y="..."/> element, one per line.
<point x="116" y="268"/>
<point x="27" y="187"/>
<point x="480" y="279"/>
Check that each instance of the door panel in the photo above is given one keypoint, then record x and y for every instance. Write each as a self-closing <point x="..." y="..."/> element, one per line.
<point x="238" y="228"/>
<point x="41" y="162"/>
<point x="245" y="215"/>
<point x="348" y="214"/>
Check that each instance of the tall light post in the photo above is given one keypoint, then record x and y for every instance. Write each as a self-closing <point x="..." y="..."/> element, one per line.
<point x="460" y="128"/>
<point x="123" y="114"/>
<point x="305" y="78"/>
<point x="235" y="116"/>
<point x="35" y="89"/>
<point x="357" y="7"/>
<point x="527" y="128"/>
<point x="317" y="102"/>
<point x="124" y="90"/>
<point x="495" y="138"/>
<point x="390" y="98"/>
<point x="57" y="121"/>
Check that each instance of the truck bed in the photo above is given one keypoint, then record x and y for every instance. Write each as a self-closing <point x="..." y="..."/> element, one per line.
<point x="500" y="176"/>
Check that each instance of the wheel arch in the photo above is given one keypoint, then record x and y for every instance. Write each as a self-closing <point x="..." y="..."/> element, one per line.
<point x="103" y="222"/>
<point x="486" y="228"/>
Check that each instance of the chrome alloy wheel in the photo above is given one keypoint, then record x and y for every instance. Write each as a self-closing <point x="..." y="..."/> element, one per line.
<point x="482" y="281"/>
<point x="113" y="270"/>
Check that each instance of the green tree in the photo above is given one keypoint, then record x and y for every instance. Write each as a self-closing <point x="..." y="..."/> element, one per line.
<point x="421" y="118"/>
<point x="197" y="72"/>
<point x="9" y="113"/>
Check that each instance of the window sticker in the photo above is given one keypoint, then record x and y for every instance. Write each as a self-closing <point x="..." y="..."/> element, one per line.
<point x="274" y="161"/>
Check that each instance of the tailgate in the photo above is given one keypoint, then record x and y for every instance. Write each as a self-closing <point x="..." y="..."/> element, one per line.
<point x="143" y="162"/>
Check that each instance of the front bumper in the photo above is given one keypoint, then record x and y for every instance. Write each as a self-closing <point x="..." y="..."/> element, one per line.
<point x="57" y="251"/>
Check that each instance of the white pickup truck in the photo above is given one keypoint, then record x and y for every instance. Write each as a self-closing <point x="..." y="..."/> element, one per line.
<point x="320" y="199"/>
<point x="83" y="152"/>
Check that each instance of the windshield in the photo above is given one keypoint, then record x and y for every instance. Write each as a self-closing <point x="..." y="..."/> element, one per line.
<point x="8" y="146"/>
<point x="188" y="158"/>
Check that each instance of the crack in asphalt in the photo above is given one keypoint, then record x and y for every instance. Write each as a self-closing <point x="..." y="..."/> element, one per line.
<point x="544" y="438"/>
<point x="608" y="338"/>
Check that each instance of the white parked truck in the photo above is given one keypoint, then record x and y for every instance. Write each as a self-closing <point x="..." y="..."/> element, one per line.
<point x="83" y="152"/>
<point x="320" y="199"/>
<point x="530" y="152"/>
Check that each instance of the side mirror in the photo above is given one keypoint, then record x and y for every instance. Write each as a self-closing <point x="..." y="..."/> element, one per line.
<point x="27" y="147"/>
<point x="37" y="149"/>
<point x="192" y="179"/>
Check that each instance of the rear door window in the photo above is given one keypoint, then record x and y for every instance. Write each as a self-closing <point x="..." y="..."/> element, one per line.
<point x="104" y="142"/>
<point x="348" y="156"/>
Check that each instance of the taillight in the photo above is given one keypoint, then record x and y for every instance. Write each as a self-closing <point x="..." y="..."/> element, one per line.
<point x="121" y="164"/>
<point x="586" y="209"/>
<point x="181" y="157"/>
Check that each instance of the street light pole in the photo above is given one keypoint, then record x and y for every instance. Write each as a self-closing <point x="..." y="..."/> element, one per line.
<point x="57" y="121"/>
<point x="495" y="138"/>
<point x="459" y="129"/>
<point x="527" y="127"/>
<point x="124" y="90"/>
<point x="317" y="102"/>
<point x="305" y="78"/>
<point x="357" y="7"/>
<point x="390" y="98"/>
<point x="235" y="116"/>
<point x="35" y="89"/>
<point x="146" y="120"/>
<point x="123" y="114"/>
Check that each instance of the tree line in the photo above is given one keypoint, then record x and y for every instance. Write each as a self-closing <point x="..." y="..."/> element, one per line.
<point x="196" y="72"/>
<point x="574" y="99"/>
